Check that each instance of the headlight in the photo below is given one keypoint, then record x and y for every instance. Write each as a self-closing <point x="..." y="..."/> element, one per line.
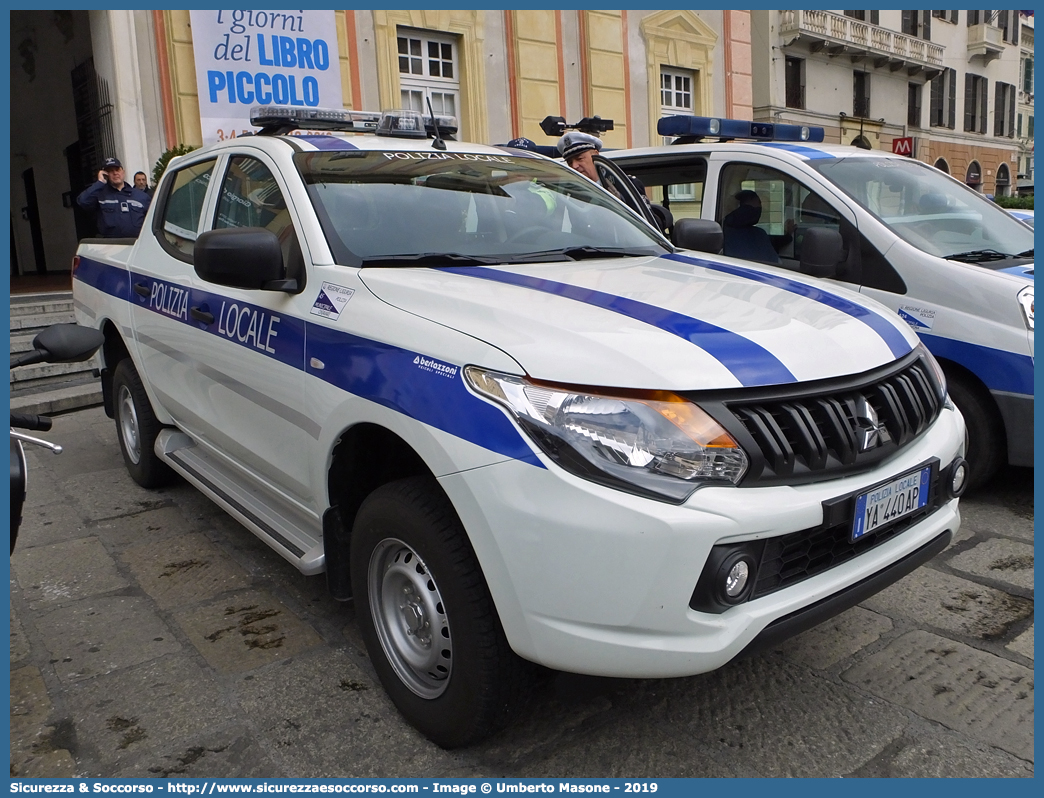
<point x="934" y="369"/>
<point x="652" y="443"/>
<point x="1026" y="303"/>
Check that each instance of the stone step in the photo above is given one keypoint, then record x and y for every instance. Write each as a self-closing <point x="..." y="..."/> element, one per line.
<point x="22" y="304"/>
<point x="42" y="308"/>
<point x="41" y="296"/>
<point x="59" y="400"/>
<point x="21" y="342"/>
<point x="41" y="374"/>
<point x="37" y="321"/>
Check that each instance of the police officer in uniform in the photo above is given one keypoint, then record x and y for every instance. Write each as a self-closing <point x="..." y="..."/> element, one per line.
<point x="119" y="207"/>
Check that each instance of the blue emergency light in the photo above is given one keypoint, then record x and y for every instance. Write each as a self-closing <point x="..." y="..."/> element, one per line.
<point x="698" y="127"/>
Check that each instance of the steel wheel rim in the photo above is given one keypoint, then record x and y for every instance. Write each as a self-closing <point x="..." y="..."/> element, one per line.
<point x="410" y="618"/>
<point x="128" y="416"/>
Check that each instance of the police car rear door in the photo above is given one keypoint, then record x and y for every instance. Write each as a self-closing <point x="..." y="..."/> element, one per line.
<point x="161" y="291"/>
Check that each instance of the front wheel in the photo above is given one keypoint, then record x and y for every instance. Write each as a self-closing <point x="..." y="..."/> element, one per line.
<point x="427" y="617"/>
<point x="137" y="428"/>
<point x="987" y="444"/>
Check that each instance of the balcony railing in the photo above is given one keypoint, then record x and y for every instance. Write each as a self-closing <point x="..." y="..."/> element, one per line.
<point x="841" y="35"/>
<point x="985" y="40"/>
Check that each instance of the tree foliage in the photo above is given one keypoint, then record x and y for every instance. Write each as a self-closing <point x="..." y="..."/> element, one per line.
<point x="1022" y="203"/>
<point x="164" y="159"/>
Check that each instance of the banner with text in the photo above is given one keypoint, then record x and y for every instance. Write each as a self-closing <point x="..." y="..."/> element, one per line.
<point x="248" y="58"/>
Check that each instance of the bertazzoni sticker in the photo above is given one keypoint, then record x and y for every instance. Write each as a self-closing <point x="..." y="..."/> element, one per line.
<point x="331" y="300"/>
<point x="918" y="317"/>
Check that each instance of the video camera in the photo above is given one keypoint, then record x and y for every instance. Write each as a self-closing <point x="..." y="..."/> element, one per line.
<point x="593" y="125"/>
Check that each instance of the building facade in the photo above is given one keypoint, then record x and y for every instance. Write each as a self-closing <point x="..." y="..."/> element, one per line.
<point x="1024" y="120"/>
<point x="123" y="83"/>
<point x="952" y="81"/>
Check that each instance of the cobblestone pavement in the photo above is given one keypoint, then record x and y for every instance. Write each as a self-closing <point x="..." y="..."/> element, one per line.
<point x="151" y="635"/>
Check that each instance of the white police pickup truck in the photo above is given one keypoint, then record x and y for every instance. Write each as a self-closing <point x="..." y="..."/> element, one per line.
<point x="955" y="266"/>
<point x="509" y="418"/>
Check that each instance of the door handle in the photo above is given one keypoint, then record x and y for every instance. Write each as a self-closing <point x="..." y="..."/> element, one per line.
<point x="201" y="315"/>
<point x="141" y="289"/>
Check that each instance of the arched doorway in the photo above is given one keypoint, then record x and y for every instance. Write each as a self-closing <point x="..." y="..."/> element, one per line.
<point x="1003" y="185"/>
<point x="862" y="142"/>
<point x="942" y="166"/>
<point x="973" y="177"/>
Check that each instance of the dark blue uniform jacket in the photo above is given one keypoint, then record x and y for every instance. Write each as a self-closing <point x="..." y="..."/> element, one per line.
<point x="119" y="213"/>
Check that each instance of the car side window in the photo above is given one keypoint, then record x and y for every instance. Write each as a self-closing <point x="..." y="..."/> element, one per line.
<point x="250" y="197"/>
<point x="788" y="209"/>
<point x="183" y="206"/>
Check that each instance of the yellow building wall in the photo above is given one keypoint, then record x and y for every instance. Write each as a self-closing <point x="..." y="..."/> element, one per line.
<point x="606" y="92"/>
<point x="183" y="90"/>
<point x="537" y="85"/>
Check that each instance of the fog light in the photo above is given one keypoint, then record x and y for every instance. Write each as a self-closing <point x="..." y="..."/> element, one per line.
<point x="958" y="477"/>
<point x="737" y="579"/>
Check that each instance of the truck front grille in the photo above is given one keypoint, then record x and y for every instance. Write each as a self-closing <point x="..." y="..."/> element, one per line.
<point x="840" y="427"/>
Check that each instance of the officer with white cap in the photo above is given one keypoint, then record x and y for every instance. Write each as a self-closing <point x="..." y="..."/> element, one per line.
<point x="578" y="150"/>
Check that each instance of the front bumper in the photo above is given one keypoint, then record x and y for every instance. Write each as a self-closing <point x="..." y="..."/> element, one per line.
<point x="592" y="580"/>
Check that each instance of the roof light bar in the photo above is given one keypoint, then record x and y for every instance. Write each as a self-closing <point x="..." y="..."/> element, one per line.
<point x="413" y="125"/>
<point x="699" y="127"/>
<point x="279" y="119"/>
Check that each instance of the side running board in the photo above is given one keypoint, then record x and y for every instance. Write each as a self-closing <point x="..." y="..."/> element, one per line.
<point x="295" y="537"/>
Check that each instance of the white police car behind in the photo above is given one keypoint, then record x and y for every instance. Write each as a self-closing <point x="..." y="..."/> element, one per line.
<point x="956" y="267"/>
<point x="509" y="419"/>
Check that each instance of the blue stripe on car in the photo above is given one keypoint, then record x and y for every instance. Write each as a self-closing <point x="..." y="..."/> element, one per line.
<point x="998" y="369"/>
<point x="1026" y="270"/>
<point x="327" y="142"/>
<point x="797" y="149"/>
<point x="109" y="280"/>
<point x="896" y="341"/>
<point x="749" y="362"/>
<point x="411" y="383"/>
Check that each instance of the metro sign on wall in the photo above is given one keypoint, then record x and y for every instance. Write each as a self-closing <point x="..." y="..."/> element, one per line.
<point x="903" y="146"/>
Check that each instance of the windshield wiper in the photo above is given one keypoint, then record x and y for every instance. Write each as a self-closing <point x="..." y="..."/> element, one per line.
<point x="586" y="253"/>
<point x="430" y="259"/>
<point x="1027" y="254"/>
<point x="978" y="256"/>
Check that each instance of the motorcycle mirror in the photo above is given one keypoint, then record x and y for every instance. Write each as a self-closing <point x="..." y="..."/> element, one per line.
<point x="67" y="343"/>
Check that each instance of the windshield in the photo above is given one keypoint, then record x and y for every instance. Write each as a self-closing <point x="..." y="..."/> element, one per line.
<point x="930" y="210"/>
<point x="388" y="208"/>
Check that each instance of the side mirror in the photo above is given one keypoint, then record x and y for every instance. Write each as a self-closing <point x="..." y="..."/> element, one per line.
<point x="822" y="249"/>
<point x="703" y="235"/>
<point x="62" y="343"/>
<point x="241" y="257"/>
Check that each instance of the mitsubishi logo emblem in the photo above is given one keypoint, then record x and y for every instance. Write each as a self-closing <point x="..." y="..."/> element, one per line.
<point x="867" y="422"/>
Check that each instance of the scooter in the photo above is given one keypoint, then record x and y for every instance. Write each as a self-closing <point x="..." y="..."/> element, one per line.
<point x="59" y="343"/>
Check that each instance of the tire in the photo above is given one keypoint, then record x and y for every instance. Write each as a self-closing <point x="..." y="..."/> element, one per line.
<point x="137" y="428"/>
<point x="987" y="449"/>
<point x="441" y="653"/>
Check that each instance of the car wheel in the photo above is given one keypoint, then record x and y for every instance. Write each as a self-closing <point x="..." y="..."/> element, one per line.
<point x="137" y="428"/>
<point x="427" y="616"/>
<point x="986" y="443"/>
